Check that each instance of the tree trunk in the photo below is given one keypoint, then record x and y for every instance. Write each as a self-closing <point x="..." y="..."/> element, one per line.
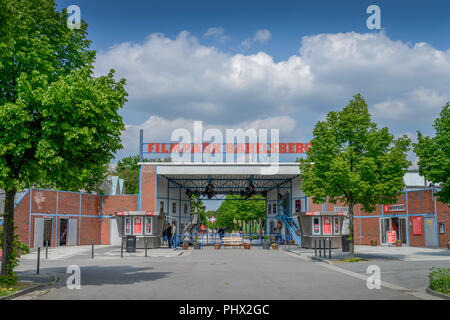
<point x="351" y="233"/>
<point x="8" y="230"/>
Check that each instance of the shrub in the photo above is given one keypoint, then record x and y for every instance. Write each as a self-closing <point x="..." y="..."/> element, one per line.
<point x="440" y="280"/>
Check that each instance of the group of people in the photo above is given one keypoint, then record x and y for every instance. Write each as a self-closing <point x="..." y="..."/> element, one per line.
<point x="169" y="234"/>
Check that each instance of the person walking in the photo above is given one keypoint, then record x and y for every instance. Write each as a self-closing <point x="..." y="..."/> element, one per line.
<point x="221" y="233"/>
<point x="169" y="235"/>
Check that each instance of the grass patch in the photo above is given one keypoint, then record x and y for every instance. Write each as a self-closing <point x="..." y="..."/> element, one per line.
<point x="354" y="259"/>
<point x="7" y="290"/>
<point x="440" y="280"/>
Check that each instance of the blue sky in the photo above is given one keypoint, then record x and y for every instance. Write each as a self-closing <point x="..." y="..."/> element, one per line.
<point x="275" y="64"/>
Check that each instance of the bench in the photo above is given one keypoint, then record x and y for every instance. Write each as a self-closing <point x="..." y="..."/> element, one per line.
<point x="232" y="241"/>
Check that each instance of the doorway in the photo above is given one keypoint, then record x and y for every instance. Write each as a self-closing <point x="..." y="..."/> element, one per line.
<point x="394" y="224"/>
<point x="42" y="232"/>
<point x="62" y="232"/>
<point x="430" y="232"/>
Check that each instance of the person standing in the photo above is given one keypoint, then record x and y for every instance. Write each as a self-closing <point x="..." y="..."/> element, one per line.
<point x="173" y="230"/>
<point x="169" y="235"/>
<point x="164" y="236"/>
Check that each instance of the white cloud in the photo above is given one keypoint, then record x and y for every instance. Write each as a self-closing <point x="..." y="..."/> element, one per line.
<point x="261" y="36"/>
<point x="172" y="79"/>
<point x="158" y="129"/>
<point x="217" y="33"/>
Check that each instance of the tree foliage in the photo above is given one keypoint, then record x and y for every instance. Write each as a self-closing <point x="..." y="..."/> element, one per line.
<point x="352" y="161"/>
<point x="128" y="169"/>
<point x="241" y="209"/>
<point x="434" y="154"/>
<point x="59" y="125"/>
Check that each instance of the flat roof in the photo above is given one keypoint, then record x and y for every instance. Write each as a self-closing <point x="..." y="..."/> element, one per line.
<point x="227" y="177"/>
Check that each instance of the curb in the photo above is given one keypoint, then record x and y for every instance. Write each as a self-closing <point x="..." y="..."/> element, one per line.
<point x="437" y="294"/>
<point x="307" y="256"/>
<point x="30" y="289"/>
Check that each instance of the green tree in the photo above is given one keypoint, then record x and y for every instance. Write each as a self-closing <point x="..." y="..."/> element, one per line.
<point x="128" y="169"/>
<point x="59" y="125"/>
<point x="352" y="161"/>
<point x="241" y="209"/>
<point x="434" y="154"/>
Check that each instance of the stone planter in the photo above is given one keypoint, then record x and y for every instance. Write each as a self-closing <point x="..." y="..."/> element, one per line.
<point x="247" y="246"/>
<point x="197" y="246"/>
<point x="266" y="245"/>
<point x="275" y="246"/>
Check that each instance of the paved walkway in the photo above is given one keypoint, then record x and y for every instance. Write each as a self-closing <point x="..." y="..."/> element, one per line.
<point x="210" y="274"/>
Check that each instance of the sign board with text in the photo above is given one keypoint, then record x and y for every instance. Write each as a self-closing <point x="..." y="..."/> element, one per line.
<point x="390" y="236"/>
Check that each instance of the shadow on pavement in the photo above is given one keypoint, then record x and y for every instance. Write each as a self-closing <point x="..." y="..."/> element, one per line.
<point x="104" y="275"/>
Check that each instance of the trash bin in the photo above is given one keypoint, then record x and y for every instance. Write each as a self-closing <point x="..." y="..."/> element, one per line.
<point x="345" y="243"/>
<point x="131" y="244"/>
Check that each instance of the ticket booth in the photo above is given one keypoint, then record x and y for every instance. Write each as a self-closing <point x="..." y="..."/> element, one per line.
<point x="146" y="226"/>
<point x="320" y="225"/>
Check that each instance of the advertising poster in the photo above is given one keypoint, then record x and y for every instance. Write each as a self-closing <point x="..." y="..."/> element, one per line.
<point x="390" y="236"/>
<point x="327" y="225"/>
<point x="137" y="225"/>
<point x="148" y="226"/>
<point x="128" y="226"/>
<point x="417" y="226"/>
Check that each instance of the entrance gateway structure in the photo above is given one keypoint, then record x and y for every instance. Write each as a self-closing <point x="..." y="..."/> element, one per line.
<point x="56" y="217"/>
<point x="166" y="189"/>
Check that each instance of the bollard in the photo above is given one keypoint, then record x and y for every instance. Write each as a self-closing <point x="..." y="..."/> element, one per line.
<point x="46" y="250"/>
<point x="315" y="247"/>
<point x="146" y="248"/>
<point x="329" y="252"/>
<point x="92" y="249"/>
<point x="320" y="248"/>
<point x="324" y="248"/>
<point x="38" y="259"/>
<point x="121" y="248"/>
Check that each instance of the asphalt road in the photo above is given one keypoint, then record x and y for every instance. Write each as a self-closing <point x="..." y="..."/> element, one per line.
<point x="215" y="275"/>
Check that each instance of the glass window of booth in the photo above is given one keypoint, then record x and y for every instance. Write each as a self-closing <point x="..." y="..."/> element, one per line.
<point x="148" y="225"/>
<point x="127" y="226"/>
<point x="316" y="226"/>
<point x="337" y="225"/>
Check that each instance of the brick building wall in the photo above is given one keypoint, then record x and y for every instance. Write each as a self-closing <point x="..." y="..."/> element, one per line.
<point x="91" y="213"/>
<point x="417" y="203"/>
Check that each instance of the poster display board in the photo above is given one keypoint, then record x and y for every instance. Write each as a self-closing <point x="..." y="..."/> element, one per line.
<point x="327" y="225"/>
<point x="137" y="225"/>
<point x="417" y="226"/>
<point x="390" y="236"/>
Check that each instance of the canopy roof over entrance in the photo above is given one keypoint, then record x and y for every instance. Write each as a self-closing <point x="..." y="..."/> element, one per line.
<point x="227" y="178"/>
